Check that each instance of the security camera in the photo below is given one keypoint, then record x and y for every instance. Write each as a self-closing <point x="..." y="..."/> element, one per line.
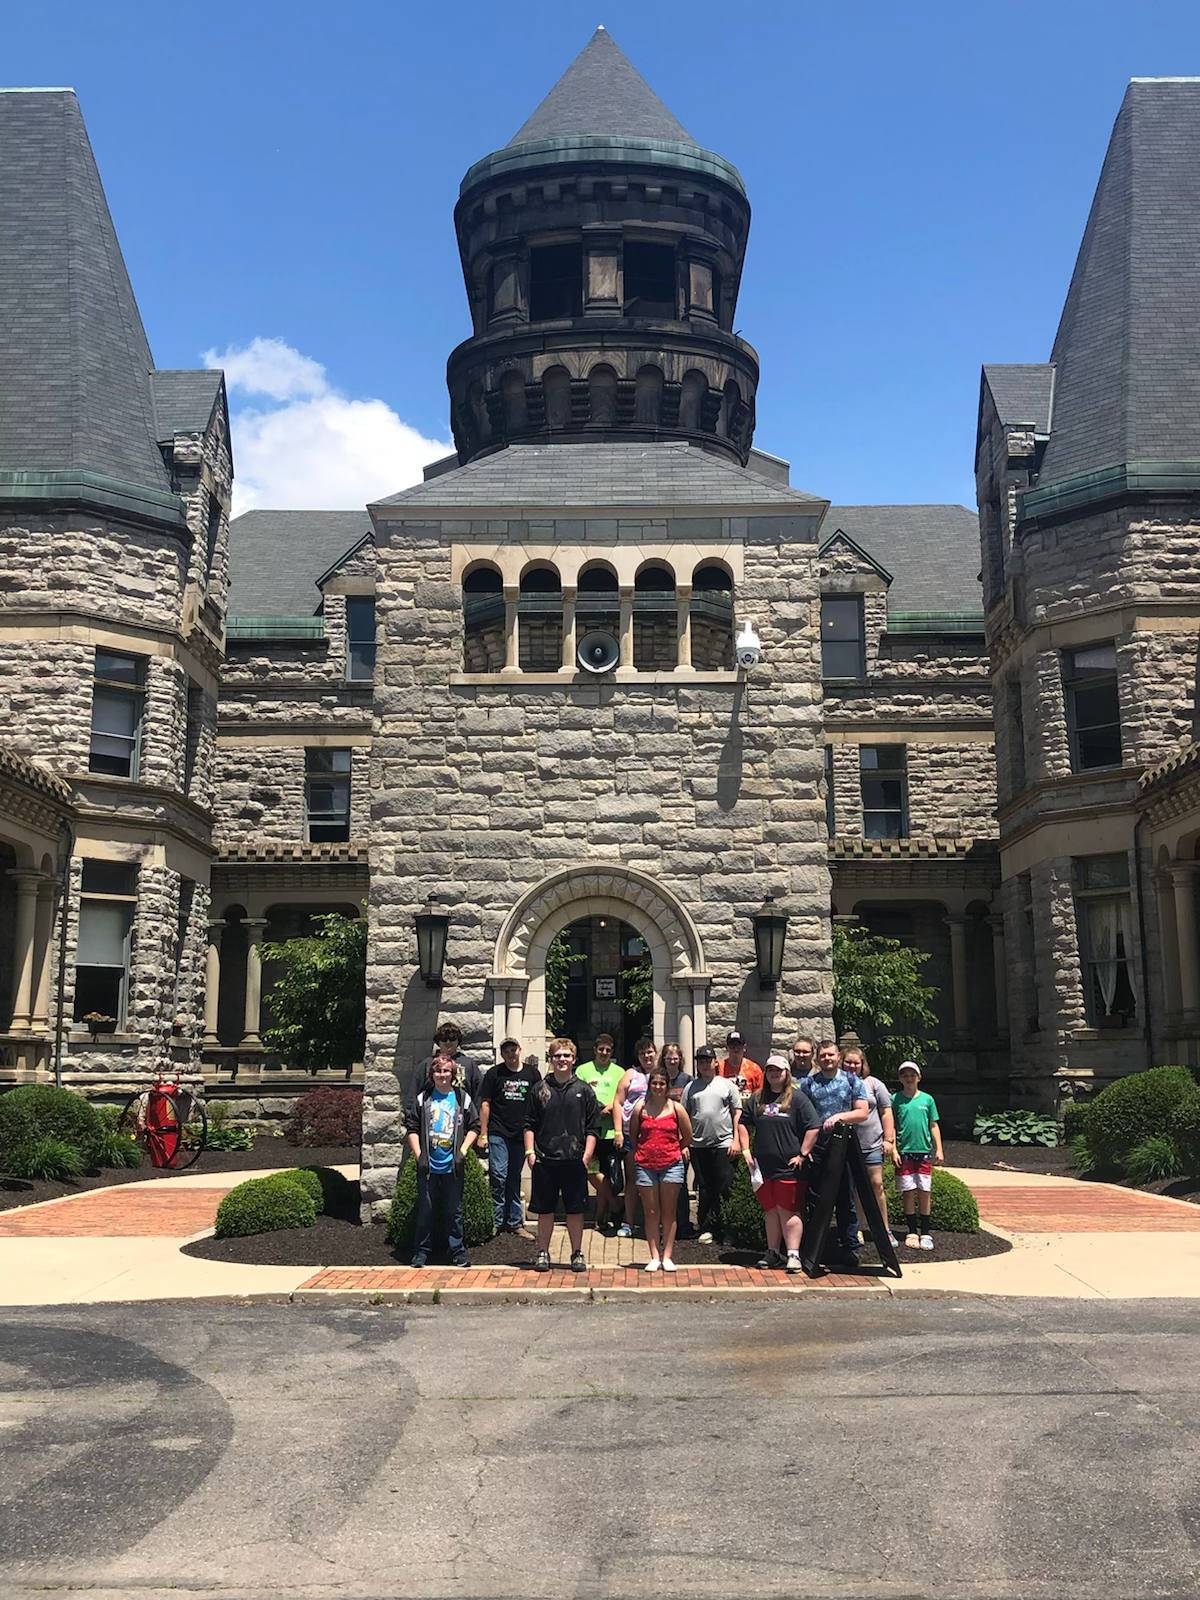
<point x="748" y="647"/>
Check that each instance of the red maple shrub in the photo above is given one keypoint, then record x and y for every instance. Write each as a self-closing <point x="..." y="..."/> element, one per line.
<point x="326" y="1117"/>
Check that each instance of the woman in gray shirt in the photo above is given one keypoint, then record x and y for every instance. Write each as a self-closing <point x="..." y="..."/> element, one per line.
<point x="877" y="1135"/>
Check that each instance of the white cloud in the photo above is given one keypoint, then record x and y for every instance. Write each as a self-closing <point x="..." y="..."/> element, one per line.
<point x="316" y="448"/>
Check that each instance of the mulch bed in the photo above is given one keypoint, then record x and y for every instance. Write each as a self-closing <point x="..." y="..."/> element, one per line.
<point x="335" y="1242"/>
<point x="1009" y="1158"/>
<point x="267" y="1152"/>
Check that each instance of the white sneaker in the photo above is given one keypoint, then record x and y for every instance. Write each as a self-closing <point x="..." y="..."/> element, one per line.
<point x="793" y="1261"/>
<point x="926" y="1241"/>
<point x="705" y="1238"/>
<point x="651" y="1266"/>
<point x="669" y="1266"/>
<point x="913" y="1240"/>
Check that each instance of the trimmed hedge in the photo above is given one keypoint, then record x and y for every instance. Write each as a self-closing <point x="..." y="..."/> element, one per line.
<point x="326" y="1116"/>
<point x="479" y="1224"/>
<point x="36" y="1111"/>
<point x="308" y="1180"/>
<point x="1075" y="1115"/>
<point x="954" y="1209"/>
<point x="339" y="1195"/>
<point x="265" y="1205"/>
<point x="741" y="1214"/>
<point x="1132" y="1110"/>
<point x="1185" y="1132"/>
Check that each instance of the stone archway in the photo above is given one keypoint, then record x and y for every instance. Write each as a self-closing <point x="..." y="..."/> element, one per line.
<point x="518" y="981"/>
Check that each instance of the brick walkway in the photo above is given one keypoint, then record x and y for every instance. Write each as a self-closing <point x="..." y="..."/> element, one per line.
<point x="1082" y="1208"/>
<point x="517" y="1280"/>
<point x="126" y="1211"/>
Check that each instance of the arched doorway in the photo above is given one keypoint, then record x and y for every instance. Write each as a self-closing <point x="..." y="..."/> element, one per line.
<point x="661" y="935"/>
<point x="599" y="979"/>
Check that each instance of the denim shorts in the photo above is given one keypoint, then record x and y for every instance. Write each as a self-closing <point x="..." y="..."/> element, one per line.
<point x="873" y="1158"/>
<point x="652" y="1177"/>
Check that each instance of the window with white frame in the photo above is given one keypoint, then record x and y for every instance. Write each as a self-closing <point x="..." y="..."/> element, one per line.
<point x="883" y="775"/>
<point x="360" y="638"/>
<point x="1104" y="919"/>
<point x="1093" y="708"/>
<point x="327" y="794"/>
<point x="104" y="943"/>
<point x="118" y="706"/>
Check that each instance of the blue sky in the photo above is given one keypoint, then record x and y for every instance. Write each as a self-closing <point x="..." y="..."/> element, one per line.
<point x="920" y="179"/>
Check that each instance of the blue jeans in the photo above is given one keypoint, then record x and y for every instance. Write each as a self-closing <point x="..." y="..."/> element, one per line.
<point x="506" y="1158"/>
<point x="439" y="1202"/>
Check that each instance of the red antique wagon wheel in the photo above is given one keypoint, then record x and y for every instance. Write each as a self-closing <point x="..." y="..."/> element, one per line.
<point x="167" y="1122"/>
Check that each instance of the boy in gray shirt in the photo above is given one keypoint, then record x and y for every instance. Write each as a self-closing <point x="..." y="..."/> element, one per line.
<point x="715" y="1106"/>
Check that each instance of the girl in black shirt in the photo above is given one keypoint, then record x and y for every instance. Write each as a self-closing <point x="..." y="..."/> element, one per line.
<point x="786" y="1124"/>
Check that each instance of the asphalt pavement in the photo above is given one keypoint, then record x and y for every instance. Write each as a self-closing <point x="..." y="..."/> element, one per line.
<point x="969" y="1449"/>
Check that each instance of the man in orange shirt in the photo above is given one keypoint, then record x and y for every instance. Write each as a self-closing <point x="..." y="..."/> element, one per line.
<point x="737" y="1064"/>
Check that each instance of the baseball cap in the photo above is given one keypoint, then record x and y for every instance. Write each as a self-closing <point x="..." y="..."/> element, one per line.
<point x="510" y="1040"/>
<point x="909" y="1066"/>
<point x="778" y="1061"/>
<point x="735" y="1037"/>
<point x="706" y="1053"/>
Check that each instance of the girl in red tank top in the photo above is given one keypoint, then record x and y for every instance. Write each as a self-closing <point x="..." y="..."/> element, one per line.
<point x="661" y="1131"/>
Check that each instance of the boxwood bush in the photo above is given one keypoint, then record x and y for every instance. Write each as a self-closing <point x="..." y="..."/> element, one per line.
<point x="478" y="1218"/>
<point x="264" y="1205"/>
<point x="309" y="1180"/>
<point x="954" y="1209"/>
<point x="1132" y="1110"/>
<point x="1075" y="1115"/>
<point x="1185" y="1132"/>
<point x="741" y="1214"/>
<point x="36" y="1111"/>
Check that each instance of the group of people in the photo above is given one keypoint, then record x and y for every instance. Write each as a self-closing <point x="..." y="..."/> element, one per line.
<point x="631" y="1135"/>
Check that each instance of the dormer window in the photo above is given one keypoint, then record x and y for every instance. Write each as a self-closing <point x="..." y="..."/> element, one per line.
<point x="555" y="282"/>
<point x="650" y="289"/>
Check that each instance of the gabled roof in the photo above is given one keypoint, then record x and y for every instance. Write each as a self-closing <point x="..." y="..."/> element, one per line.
<point x="1023" y="394"/>
<point x="932" y="552"/>
<point x="602" y="477"/>
<point x="840" y="536"/>
<point x="1127" y="351"/>
<point x="76" y="364"/>
<point x="184" y="402"/>
<point x="276" y="558"/>
<point x="323" y="578"/>
<point x="602" y="92"/>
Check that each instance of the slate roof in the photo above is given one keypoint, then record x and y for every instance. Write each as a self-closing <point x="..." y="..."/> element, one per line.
<point x="932" y="552"/>
<point x="77" y="391"/>
<point x="1022" y="394"/>
<point x="602" y="475"/>
<point x="184" y="402"/>
<point x="602" y="92"/>
<point x="276" y="557"/>
<point x="1127" y="351"/>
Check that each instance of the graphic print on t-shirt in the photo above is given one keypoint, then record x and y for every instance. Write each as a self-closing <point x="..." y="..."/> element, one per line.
<point x="441" y="1132"/>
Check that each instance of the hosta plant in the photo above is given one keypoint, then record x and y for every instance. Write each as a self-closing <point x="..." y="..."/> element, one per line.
<point x="1016" y="1127"/>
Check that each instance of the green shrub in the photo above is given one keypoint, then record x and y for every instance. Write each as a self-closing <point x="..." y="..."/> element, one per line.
<point x="339" y="1195"/>
<point x="479" y="1223"/>
<point x="265" y="1205"/>
<point x="741" y="1214"/>
<point x="1016" y="1127"/>
<point x="954" y="1209"/>
<point x="1132" y="1110"/>
<point x="1185" y="1133"/>
<point x="47" y="1157"/>
<point x="1075" y="1115"/>
<point x="306" y="1178"/>
<point x="40" y="1111"/>
<point x="326" y="1116"/>
<point x="113" y="1149"/>
<point x="227" y="1137"/>
<point x="1153" y="1158"/>
<point x="1082" y="1158"/>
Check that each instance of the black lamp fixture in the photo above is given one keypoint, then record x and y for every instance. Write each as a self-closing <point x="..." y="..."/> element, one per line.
<point x="770" y="931"/>
<point x="432" y="927"/>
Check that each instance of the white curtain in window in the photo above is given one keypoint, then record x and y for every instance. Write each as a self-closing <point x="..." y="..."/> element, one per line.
<point x="1109" y="944"/>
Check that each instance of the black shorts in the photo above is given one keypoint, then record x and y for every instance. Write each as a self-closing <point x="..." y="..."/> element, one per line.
<point x="552" y="1179"/>
<point x="608" y="1161"/>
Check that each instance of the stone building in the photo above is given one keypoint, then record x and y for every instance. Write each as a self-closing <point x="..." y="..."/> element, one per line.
<point x="114" y="496"/>
<point x="1089" y="497"/>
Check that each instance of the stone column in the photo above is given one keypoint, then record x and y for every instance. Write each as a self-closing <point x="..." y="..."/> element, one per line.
<point x="687" y="1037"/>
<point x="44" y="950"/>
<point x="999" y="971"/>
<point x="516" y="1014"/>
<point x="683" y="627"/>
<point x="958" y="971"/>
<point x="212" y="980"/>
<point x="1169" y="938"/>
<point x="569" y="663"/>
<point x="1183" y="879"/>
<point x="512" y="649"/>
<point x="25" y="928"/>
<point x="499" y="1013"/>
<point x="700" y="1012"/>
<point x="626" y="631"/>
<point x="254" y="930"/>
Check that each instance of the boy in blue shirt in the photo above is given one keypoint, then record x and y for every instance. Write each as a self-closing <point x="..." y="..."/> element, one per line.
<point x="839" y="1096"/>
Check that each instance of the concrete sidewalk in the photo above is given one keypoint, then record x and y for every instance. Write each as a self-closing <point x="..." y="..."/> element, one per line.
<point x="1070" y="1240"/>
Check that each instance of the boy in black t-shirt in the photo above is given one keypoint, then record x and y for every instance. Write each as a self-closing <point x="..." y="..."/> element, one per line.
<point x="502" y="1120"/>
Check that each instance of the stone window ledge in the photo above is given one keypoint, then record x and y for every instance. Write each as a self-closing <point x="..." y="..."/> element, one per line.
<point x="588" y="680"/>
<point x="82" y="1036"/>
<point x="1100" y="1035"/>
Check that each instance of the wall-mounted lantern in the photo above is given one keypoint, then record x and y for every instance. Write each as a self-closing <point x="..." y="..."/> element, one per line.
<point x="432" y="927"/>
<point x="770" y="931"/>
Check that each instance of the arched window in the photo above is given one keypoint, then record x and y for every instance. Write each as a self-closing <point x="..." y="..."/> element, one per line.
<point x="712" y="619"/>
<point x="655" y="620"/>
<point x="539" y="621"/>
<point x="691" y="400"/>
<point x="483" y="621"/>
<point x="648" y="396"/>
<point x="602" y="392"/>
<point x="512" y="394"/>
<point x="598" y="602"/>
<point x="556" y="386"/>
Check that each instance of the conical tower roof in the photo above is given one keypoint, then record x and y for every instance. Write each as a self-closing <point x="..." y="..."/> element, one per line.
<point x="602" y="92"/>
